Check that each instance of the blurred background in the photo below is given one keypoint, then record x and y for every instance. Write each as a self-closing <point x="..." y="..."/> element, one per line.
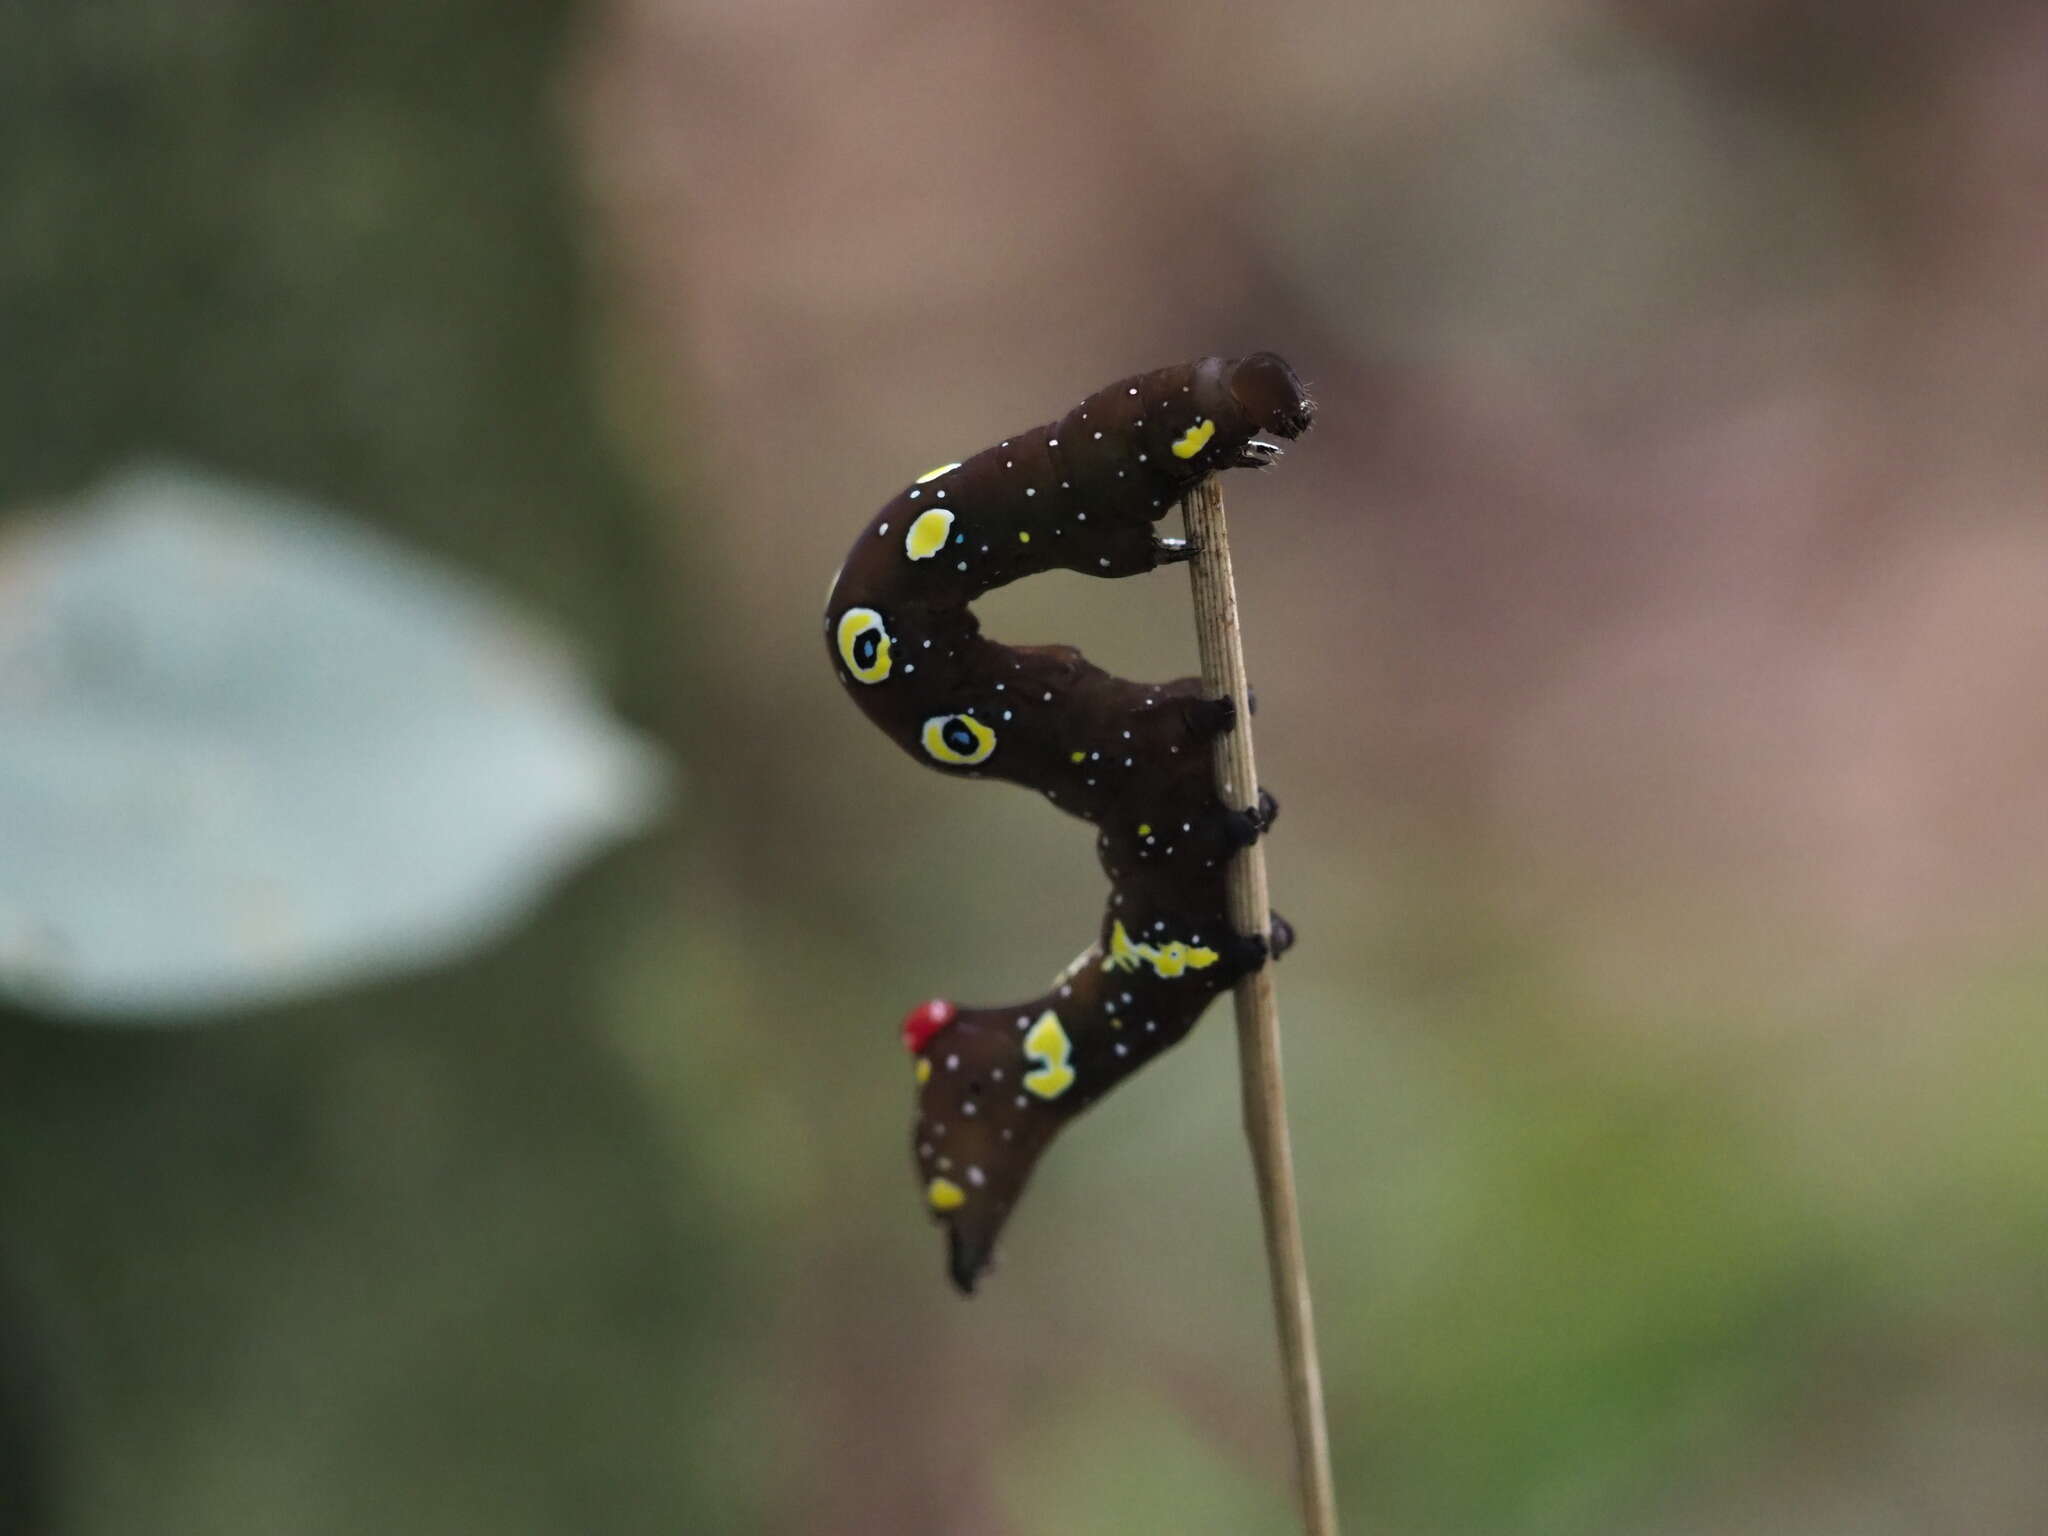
<point x="1650" y="643"/>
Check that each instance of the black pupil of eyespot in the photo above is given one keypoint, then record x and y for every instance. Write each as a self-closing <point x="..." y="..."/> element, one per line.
<point x="865" y="644"/>
<point x="958" y="737"/>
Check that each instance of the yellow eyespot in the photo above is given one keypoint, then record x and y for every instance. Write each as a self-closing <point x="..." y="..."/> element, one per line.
<point x="1023" y="538"/>
<point x="924" y="1071"/>
<point x="1194" y="440"/>
<point x="1075" y="757"/>
<point x="1047" y="1044"/>
<point x="958" y="739"/>
<point x="945" y="1195"/>
<point x="927" y="535"/>
<point x="932" y="474"/>
<point x="864" y="644"/>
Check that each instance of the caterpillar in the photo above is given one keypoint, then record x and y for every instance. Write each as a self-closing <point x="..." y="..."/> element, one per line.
<point x="1083" y="493"/>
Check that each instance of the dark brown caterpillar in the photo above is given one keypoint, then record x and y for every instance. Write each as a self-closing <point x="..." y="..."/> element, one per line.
<point x="1081" y="493"/>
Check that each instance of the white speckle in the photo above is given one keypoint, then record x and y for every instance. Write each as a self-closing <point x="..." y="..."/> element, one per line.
<point x="963" y="565"/>
<point x="968" y="1107"/>
<point x="1030" y="490"/>
<point x="881" y="530"/>
<point x="1022" y="1102"/>
<point x="910" y="666"/>
<point x="1101" y="562"/>
<point x="1151" y="1026"/>
<point x="945" y="1162"/>
<point x="1066" y="991"/>
<point x="952" y="1063"/>
<point x="941" y="495"/>
<point x="1134" y="389"/>
<point x="1098" y="434"/>
<point x="997" y="1074"/>
<point x="1127" y="997"/>
<point x="1006" y="714"/>
<point x="1122" y="1049"/>
<point x="1006" y="1134"/>
<point x="1127" y="735"/>
<point x="1141" y="457"/>
<point x="915" y="494"/>
<point x="1052" y="442"/>
<point x="974" y="1176"/>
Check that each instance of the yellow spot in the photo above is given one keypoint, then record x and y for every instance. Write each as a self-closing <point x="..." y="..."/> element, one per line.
<point x="1076" y="757"/>
<point x="958" y="739"/>
<point x="945" y="1195"/>
<point x="924" y="1071"/>
<point x="1144" y="829"/>
<point x="1023" y="538"/>
<point x="1195" y="439"/>
<point x="932" y="474"/>
<point x="1167" y="960"/>
<point x="855" y="625"/>
<point x="1048" y="1045"/>
<point x="927" y="536"/>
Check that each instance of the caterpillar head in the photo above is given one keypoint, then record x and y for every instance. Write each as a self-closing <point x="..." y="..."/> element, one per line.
<point x="1271" y="395"/>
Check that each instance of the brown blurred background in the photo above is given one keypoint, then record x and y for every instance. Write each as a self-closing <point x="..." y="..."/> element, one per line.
<point x="1649" y="639"/>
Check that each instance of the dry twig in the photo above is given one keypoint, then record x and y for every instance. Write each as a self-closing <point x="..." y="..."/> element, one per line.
<point x="1258" y="1020"/>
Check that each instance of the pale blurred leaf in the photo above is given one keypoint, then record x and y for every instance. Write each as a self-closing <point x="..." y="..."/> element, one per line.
<point x="248" y="748"/>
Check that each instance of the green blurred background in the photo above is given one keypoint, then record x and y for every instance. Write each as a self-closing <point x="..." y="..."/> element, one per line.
<point x="1649" y="644"/>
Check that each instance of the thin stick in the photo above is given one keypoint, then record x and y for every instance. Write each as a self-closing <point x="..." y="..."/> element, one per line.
<point x="1258" y="1018"/>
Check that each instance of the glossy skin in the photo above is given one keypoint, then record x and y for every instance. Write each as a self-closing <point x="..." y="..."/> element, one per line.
<point x="1082" y="493"/>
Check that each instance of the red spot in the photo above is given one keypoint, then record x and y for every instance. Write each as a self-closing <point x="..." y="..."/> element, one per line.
<point x="926" y="1020"/>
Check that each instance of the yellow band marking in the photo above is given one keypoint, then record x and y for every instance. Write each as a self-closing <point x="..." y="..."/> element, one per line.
<point x="1048" y="1045"/>
<point x="1167" y="960"/>
<point x="924" y="1071"/>
<point x="945" y="1195"/>
<point x="932" y="474"/>
<point x="1194" y="440"/>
